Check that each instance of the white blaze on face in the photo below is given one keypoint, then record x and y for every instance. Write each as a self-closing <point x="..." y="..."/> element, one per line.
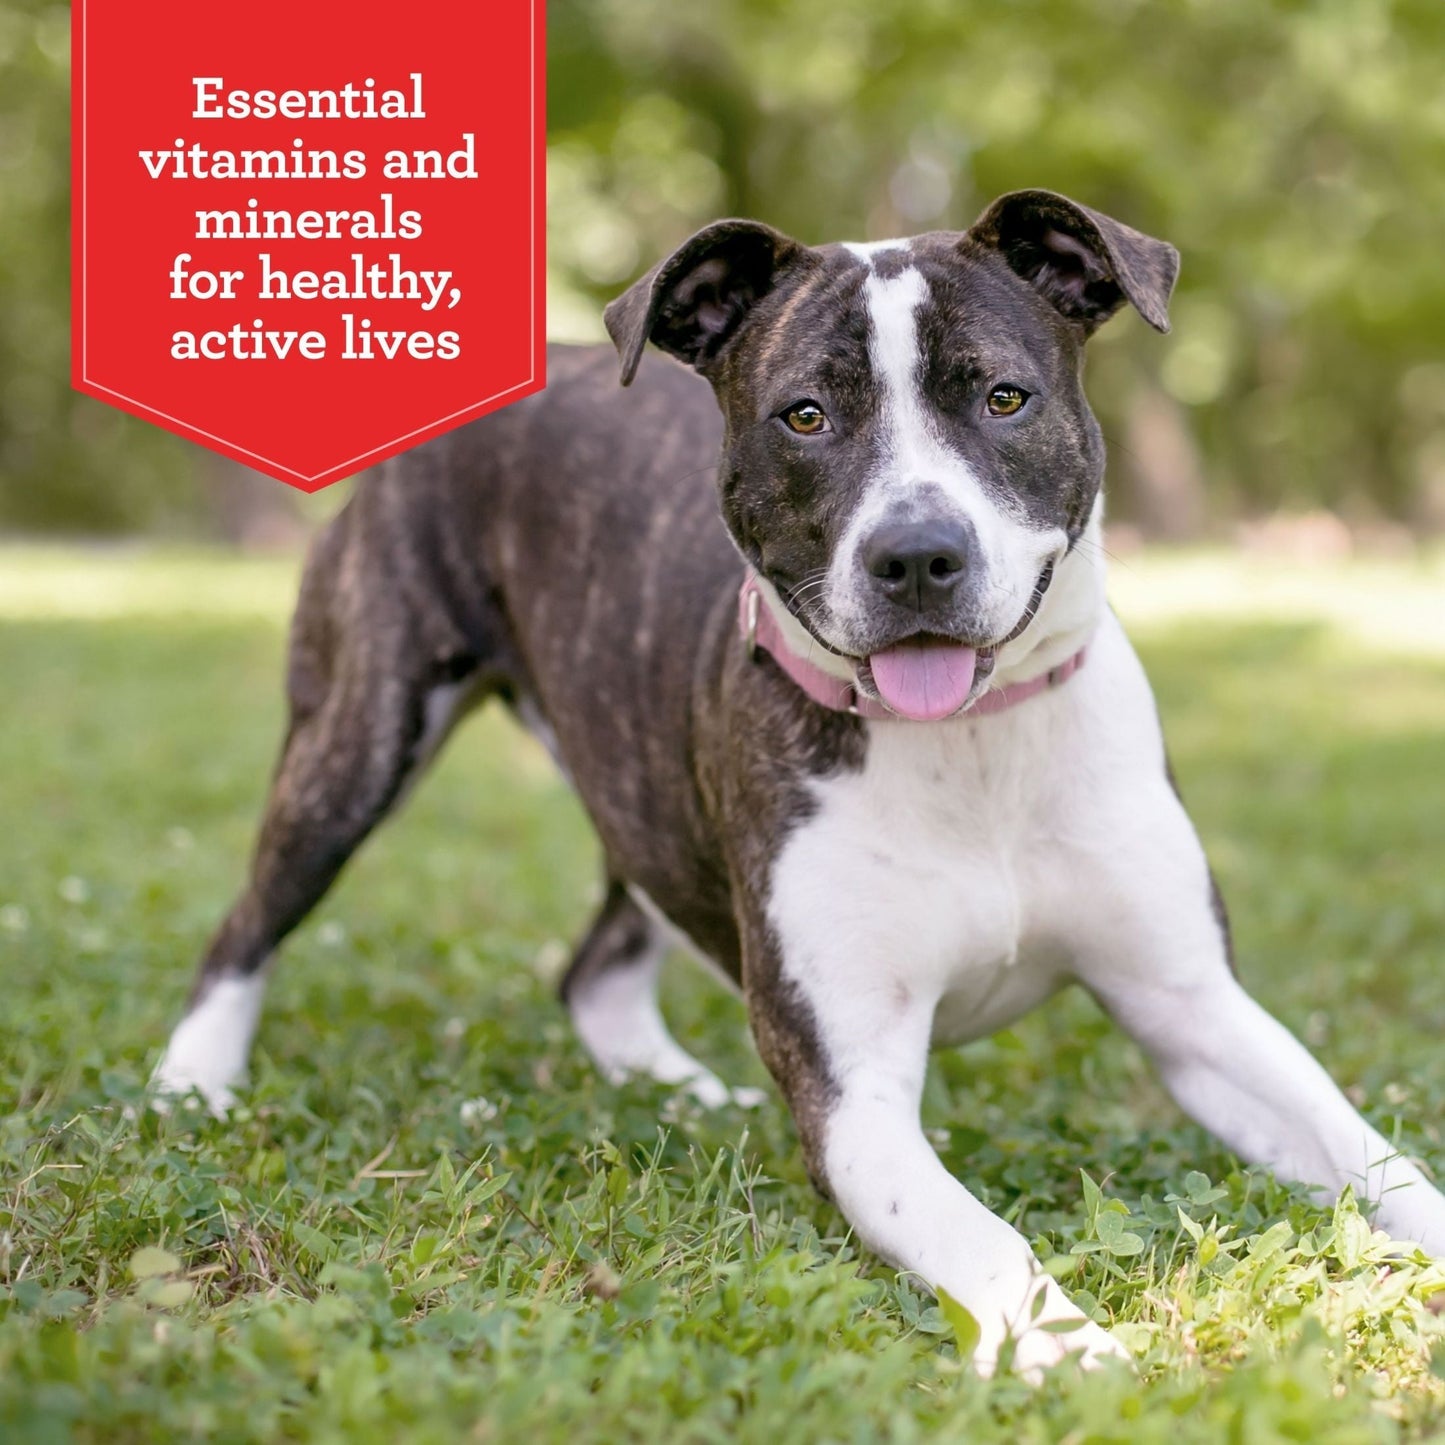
<point x="865" y="251"/>
<point x="919" y="475"/>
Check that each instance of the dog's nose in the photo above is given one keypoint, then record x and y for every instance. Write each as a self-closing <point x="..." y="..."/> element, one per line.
<point x="918" y="564"/>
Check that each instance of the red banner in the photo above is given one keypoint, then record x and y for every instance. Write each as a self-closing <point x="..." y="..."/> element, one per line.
<point x="308" y="236"/>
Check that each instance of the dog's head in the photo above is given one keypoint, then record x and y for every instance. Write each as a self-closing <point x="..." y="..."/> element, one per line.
<point x="908" y="451"/>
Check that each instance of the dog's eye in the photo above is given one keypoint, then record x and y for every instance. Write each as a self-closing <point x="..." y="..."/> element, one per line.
<point x="806" y="418"/>
<point x="1006" y="400"/>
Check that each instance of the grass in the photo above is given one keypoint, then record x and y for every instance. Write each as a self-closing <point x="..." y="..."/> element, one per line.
<point x="431" y="1221"/>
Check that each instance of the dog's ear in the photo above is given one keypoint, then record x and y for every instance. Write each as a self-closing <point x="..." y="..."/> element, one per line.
<point x="691" y="304"/>
<point x="1084" y="263"/>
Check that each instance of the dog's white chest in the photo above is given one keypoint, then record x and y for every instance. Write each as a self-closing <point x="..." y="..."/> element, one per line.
<point x="910" y="882"/>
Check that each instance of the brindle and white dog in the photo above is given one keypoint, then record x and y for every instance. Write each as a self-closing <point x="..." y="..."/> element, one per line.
<point x="870" y="739"/>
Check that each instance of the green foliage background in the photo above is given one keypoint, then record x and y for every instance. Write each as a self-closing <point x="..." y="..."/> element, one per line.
<point x="1293" y="149"/>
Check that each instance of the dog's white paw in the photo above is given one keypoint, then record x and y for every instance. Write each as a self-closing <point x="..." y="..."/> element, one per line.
<point x="175" y="1084"/>
<point x="207" y="1051"/>
<point x="707" y="1091"/>
<point x="1415" y="1214"/>
<point x="1037" y="1350"/>
<point x="1060" y="1331"/>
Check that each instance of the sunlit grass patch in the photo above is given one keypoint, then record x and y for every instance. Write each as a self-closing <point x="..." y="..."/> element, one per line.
<point x="1387" y="607"/>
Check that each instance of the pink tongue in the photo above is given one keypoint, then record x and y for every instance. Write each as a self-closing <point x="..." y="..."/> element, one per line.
<point x="924" y="682"/>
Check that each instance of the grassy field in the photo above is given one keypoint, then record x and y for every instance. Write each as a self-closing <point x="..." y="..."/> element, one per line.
<point x="431" y="1221"/>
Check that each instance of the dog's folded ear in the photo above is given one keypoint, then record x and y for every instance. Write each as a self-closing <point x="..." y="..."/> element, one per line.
<point x="1086" y="264"/>
<point x="691" y="304"/>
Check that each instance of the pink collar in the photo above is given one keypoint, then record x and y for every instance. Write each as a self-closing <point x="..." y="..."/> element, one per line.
<point x="759" y="629"/>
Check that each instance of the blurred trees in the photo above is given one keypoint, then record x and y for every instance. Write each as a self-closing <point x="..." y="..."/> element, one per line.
<point x="1293" y="149"/>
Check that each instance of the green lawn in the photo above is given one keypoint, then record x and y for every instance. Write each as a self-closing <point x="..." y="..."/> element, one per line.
<point x="431" y="1221"/>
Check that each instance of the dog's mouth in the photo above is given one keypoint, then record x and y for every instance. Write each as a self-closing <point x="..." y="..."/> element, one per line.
<point x="926" y="676"/>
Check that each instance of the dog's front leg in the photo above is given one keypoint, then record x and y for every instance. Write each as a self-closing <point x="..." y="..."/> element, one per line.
<point x="1155" y="955"/>
<point x="1248" y="1080"/>
<point x="851" y="1063"/>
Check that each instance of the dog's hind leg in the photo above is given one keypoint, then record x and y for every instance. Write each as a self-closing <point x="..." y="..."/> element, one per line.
<point x="373" y="691"/>
<point x="610" y="990"/>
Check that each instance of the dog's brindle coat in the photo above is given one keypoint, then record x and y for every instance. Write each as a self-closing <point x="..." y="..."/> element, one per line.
<point x="872" y="886"/>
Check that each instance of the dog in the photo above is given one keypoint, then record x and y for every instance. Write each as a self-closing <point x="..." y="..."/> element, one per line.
<point x="857" y="725"/>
